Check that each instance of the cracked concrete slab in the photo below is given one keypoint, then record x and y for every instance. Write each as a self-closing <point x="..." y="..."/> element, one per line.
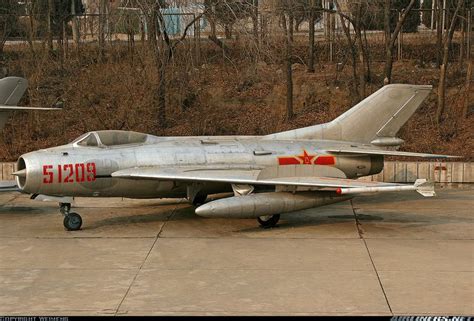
<point x="384" y="254"/>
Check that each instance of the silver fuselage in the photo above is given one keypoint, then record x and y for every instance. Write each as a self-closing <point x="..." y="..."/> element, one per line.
<point x="72" y="170"/>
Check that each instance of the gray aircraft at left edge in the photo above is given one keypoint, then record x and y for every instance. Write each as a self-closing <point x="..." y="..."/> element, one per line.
<point x="11" y="91"/>
<point x="268" y="175"/>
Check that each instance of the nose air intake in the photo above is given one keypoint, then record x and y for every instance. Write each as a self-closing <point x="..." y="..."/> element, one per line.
<point x="21" y="173"/>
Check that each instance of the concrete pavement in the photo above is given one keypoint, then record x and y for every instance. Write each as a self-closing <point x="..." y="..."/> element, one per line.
<point x="385" y="254"/>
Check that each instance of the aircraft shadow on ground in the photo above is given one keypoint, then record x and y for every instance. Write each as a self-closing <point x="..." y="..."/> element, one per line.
<point x="306" y="218"/>
<point x="22" y="210"/>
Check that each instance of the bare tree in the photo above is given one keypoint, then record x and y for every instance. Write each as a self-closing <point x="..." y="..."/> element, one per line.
<point x="50" y="24"/>
<point x="285" y="10"/>
<point x="391" y="37"/>
<point x="288" y="28"/>
<point x="351" y="44"/>
<point x="8" y="21"/>
<point x="312" y="21"/>
<point x="363" y="59"/>
<point x="447" y="40"/>
<point x="102" y="26"/>
<point x="162" y="50"/>
<point x="75" y="24"/>
<point x="255" y="20"/>
<point x="467" y="91"/>
<point x="439" y="31"/>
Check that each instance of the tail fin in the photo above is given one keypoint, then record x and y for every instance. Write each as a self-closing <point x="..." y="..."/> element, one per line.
<point x="11" y="91"/>
<point x="376" y="119"/>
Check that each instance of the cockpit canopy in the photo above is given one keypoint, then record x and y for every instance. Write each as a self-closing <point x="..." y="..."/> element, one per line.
<point x="110" y="138"/>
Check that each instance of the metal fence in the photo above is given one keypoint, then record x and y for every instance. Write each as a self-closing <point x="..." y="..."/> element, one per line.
<point x="129" y="24"/>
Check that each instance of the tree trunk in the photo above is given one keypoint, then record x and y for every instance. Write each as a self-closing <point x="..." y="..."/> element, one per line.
<point x="444" y="64"/>
<point x="352" y="47"/>
<point x="368" y="74"/>
<point x="463" y="37"/>
<point x="64" y="38"/>
<point x="161" y="92"/>
<point x="31" y="31"/>
<point x="388" y="48"/>
<point x="102" y="13"/>
<point x="358" y="38"/>
<point x="212" y="22"/>
<point x="362" y="76"/>
<point x="151" y="30"/>
<point x="50" y="24"/>
<point x="255" y="21"/>
<point x="161" y="57"/>
<point x="228" y="31"/>
<point x="75" y="25"/>
<point x="291" y="20"/>
<point x="390" y="38"/>
<point x="468" y="90"/>
<point x="289" y="72"/>
<point x="439" y="32"/>
<point x="312" y="19"/>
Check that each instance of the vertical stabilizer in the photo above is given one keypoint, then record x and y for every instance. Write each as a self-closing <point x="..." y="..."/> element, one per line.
<point x="11" y="90"/>
<point x="377" y="118"/>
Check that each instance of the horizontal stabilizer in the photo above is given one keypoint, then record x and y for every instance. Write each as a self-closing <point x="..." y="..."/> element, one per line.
<point x="20" y="108"/>
<point x="8" y="186"/>
<point x="11" y="91"/>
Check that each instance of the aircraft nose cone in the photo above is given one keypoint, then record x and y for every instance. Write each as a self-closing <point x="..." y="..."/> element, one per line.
<point x="28" y="173"/>
<point x="21" y="173"/>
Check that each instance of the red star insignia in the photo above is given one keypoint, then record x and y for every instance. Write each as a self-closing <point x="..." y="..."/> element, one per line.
<point x="307" y="159"/>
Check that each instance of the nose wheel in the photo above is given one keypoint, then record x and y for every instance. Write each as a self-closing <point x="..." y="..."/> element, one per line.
<point x="72" y="221"/>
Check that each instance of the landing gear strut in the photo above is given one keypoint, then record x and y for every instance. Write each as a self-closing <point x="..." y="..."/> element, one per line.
<point x="72" y="221"/>
<point x="268" y="220"/>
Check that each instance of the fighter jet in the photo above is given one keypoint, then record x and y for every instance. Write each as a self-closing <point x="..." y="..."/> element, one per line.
<point x="268" y="175"/>
<point x="11" y="91"/>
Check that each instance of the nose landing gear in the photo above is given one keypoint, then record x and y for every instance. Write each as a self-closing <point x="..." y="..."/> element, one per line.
<point x="72" y="221"/>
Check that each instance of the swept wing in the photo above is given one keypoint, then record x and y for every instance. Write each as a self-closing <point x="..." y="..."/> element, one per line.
<point x="251" y="177"/>
<point x="373" y="151"/>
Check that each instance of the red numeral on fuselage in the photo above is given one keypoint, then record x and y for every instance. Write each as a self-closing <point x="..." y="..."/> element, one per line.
<point x="69" y="173"/>
<point x="48" y="174"/>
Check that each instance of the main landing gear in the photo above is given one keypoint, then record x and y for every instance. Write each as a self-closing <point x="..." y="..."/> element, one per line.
<point x="268" y="221"/>
<point x="199" y="199"/>
<point x="72" y="221"/>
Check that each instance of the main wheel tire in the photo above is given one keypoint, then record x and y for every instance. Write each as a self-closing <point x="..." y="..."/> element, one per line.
<point x="268" y="220"/>
<point x="199" y="199"/>
<point x="72" y="222"/>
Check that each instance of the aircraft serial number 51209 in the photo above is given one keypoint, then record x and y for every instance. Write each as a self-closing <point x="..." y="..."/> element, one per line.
<point x="268" y="175"/>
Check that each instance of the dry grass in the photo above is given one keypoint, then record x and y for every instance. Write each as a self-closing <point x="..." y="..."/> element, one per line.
<point x="218" y="96"/>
